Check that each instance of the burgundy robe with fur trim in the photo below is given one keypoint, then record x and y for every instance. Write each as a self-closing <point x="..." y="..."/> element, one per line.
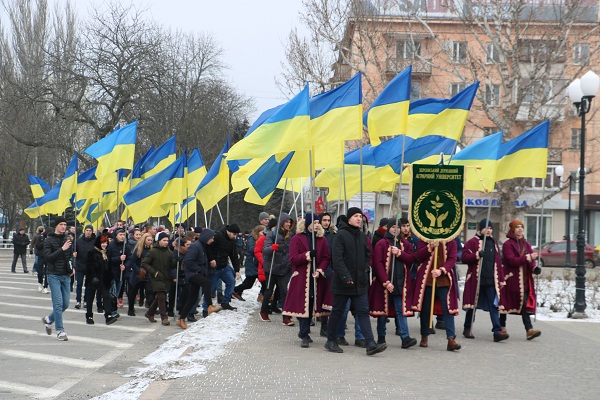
<point x="517" y="270"/>
<point x="449" y="254"/>
<point x="380" y="303"/>
<point x="296" y="301"/>
<point x="469" y="257"/>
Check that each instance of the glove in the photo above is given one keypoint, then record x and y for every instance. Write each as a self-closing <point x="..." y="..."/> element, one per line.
<point x="349" y="283"/>
<point x="480" y="253"/>
<point x="275" y="247"/>
<point x="313" y="253"/>
<point x="537" y="270"/>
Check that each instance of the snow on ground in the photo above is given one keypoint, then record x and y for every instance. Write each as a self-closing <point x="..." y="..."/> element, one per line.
<point x="189" y="351"/>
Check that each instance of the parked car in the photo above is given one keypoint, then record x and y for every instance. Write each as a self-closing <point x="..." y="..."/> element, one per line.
<point x="554" y="254"/>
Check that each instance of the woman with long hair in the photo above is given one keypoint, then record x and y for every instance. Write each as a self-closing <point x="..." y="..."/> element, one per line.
<point x="139" y="281"/>
<point x="99" y="276"/>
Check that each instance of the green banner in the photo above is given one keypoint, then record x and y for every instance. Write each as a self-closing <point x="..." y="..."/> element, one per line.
<point x="436" y="210"/>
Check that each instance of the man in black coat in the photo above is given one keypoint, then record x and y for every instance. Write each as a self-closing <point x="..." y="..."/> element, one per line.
<point x="351" y="258"/>
<point x="20" y="243"/>
<point x="219" y="253"/>
<point x="84" y="245"/>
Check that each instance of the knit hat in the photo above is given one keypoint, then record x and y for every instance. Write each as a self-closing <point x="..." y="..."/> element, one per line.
<point x="88" y="226"/>
<point x="262" y="216"/>
<point x="161" y="236"/>
<point x="198" y="229"/>
<point x="234" y="228"/>
<point x="59" y="220"/>
<point x="384" y="222"/>
<point x="309" y="218"/>
<point x="353" y="210"/>
<point x="391" y="222"/>
<point x="272" y="223"/>
<point x="514" y="223"/>
<point x="484" y="222"/>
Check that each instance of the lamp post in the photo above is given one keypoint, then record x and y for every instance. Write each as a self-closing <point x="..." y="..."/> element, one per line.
<point x="559" y="171"/>
<point x="581" y="92"/>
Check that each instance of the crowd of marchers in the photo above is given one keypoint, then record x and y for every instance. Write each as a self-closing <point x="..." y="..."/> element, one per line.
<point x="309" y="269"/>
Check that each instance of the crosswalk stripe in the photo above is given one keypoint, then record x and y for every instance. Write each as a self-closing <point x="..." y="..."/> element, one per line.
<point x="39" y="392"/>
<point x="95" y="341"/>
<point x="113" y="326"/>
<point x="54" y="359"/>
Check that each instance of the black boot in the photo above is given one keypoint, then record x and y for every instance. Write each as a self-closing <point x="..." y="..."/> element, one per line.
<point x="89" y="319"/>
<point x="380" y="339"/>
<point x="324" y="321"/>
<point x="374" y="348"/>
<point x="333" y="346"/>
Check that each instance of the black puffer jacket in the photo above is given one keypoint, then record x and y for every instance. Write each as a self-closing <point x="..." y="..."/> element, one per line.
<point x="351" y="256"/>
<point x="84" y="247"/>
<point x="56" y="258"/>
<point x="97" y="266"/>
<point x="281" y="263"/>
<point x="224" y="248"/>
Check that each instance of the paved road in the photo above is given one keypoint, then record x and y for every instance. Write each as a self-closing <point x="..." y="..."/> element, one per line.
<point x="267" y="361"/>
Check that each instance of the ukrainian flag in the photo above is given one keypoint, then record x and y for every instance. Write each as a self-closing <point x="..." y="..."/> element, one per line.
<point x="153" y="196"/>
<point x="268" y="175"/>
<point x="388" y="114"/>
<point x="215" y="185"/>
<point x="442" y="117"/>
<point x="336" y="115"/>
<point x="196" y="170"/>
<point x="136" y="172"/>
<point x="160" y="158"/>
<point x="484" y="155"/>
<point x="115" y="151"/>
<point x="68" y="186"/>
<point x="525" y="156"/>
<point x="47" y="204"/>
<point x="284" y="131"/>
<point x="38" y="186"/>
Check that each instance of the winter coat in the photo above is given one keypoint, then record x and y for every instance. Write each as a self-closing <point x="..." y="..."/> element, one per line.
<point x="258" y="248"/>
<point x="446" y="262"/>
<point x="350" y="255"/>
<point x="114" y="252"/>
<point x="281" y="261"/>
<point x="379" y="297"/>
<point x="98" y="268"/>
<point x="518" y="276"/>
<point x="302" y="284"/>
<point x="196" y="260"/>
<point x="224" y="249"/>
<point x="38" y="245"/>
<point x="159" y="260"/>
<point x="469" y="257"/>
<point x="20" y="243"/>
<point x="251" y="263"/>
<point x="134" y="263"/>
<point x="84" y="247"/>
<point x="57" y="259"/>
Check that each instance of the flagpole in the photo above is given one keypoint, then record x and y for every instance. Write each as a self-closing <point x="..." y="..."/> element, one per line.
<point x="177" y="272"/>
<point x="220" y="214"/>
<point x="294" y="198"/>
<point x="539" y="240"/>
<point x="345" y="192"/>
<point x="360" y="156"/>
<point x="228" y="190"/>
<point x="75" y="215"/>
<point x="301" y="197"/>
<point x="275" y="240"/>
<point x="313" y="245"/>
<point x="339" y="193"/>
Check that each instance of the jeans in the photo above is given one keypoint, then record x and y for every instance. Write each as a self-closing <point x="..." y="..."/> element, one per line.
<point x="341" y="331"/>
<point x="23" y="261"/>
<point x="487" y="295"/>
<point x="441" y="293"/>
<point x="59" y="292"/>
<point x="79" y="275"/>
<point x="401" y="319"/>
<point x="226" y="275"/>
<point x="361" y="310"/>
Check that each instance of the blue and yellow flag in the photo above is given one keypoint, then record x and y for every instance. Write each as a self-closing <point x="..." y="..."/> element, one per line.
<point x="196" y="171"/>
<point x="136" y="173"/>
<point x="336" y="115"/>
<point x="481" y="161"/>
<point x="115" y="151"/>
<point x="153" y="196"/>
<point x="442" y="117"/>
<point x="268" y="175"/>
<point x="47" y="204"/>
<point x="286" y="130"/>
<point x="38" y="186"/>
<point x="525" y="156"/>
<point x="68" y="186"/>
<point x="215" y="185"/>
<point x="388" y="114"/>
<point x="160" y="158"/>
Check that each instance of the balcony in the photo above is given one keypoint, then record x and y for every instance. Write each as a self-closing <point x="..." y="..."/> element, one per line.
<point x="540" y="113"/>
<point x="420" y="67"/>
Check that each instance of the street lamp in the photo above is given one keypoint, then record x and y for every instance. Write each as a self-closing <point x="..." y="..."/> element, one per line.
<point x="559" y="171"/>
<point x="581" y="92"/>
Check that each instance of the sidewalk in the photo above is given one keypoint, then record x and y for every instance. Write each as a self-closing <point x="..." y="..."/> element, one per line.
<point x="268" y="363"/>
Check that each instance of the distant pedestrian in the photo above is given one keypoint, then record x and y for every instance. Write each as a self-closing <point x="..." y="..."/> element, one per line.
<point x="20" y="243"/>
<point x="158" y="264"/>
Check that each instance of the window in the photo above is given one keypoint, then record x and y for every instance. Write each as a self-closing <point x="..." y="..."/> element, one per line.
<point x="415" y="90"/>
<point x="492" y="95"/>
<point x="457" y="87"/>
<point x="552" y="180"/>
<point x="459" y="52"/>
<point x="582" y="53"/>
<point x="536" y="50"/>
<point x="575" y="138"/>
<point x="492" y="54"/>
<point x="546" y="92"/>
<point x="408" y="49"/>
<point x="532" y="227"/>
